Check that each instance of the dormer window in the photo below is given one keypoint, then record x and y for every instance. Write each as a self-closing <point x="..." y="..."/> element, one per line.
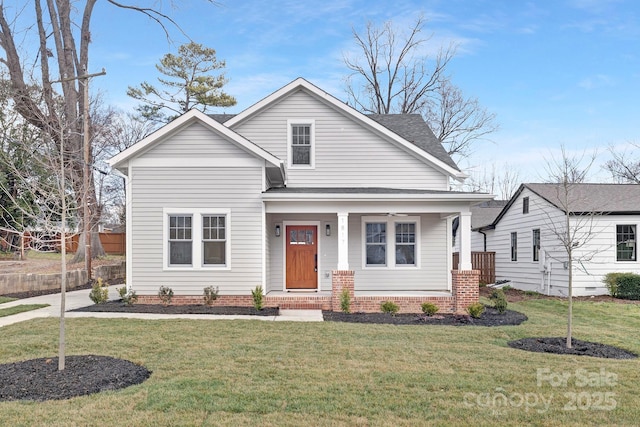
<point x="301" y="143"/>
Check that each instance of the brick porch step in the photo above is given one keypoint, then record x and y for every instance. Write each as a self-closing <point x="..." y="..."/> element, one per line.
<point x="300" y="305"/>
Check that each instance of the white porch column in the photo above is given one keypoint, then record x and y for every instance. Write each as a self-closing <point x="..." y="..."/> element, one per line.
<point x="343" y="241"/>
<point x="464" y="229"/>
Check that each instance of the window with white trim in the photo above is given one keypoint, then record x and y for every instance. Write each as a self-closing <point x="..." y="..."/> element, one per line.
<point x="196" y="238"/>
<point x="301" y="143"/>
<point x="180" y="240"/>
<point x="514" y="246"/>
<point x="626" y="242"/>
<point x="536" y="244"/>
<point x="401" y="249"/>
<point x="214" y="239"/>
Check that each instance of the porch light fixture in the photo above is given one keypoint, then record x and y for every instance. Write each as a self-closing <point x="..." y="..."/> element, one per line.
<point x="277" y="231"/>
<point x="327" y="230"/>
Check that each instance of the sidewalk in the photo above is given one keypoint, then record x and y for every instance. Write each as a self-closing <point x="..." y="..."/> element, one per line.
<point x="78" y="299"/>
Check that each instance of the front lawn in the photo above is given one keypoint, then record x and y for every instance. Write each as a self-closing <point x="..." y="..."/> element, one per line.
<point x="20" y="309"/>
<point x="284" y="373"/>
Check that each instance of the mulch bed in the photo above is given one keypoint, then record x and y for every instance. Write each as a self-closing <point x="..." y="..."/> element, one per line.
<point x="490" y="317"/>
<point x="558" y="345"/>
<point x="40" y="379"/>
<point x="119" y="307"/>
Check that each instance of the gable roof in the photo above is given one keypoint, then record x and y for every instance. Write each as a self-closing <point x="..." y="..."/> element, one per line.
<point x="583" y="198"/>
<point x="193" y="116"/>
<point x="405" y="133"/>
<point x="485" y="213"/>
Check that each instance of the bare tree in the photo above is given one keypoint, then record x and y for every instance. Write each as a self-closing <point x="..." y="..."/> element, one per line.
<point x="389" y="75"/>
<point x="624" y="167"/>
<point x="577" y="228"/>
<point x="502" y="181"/>
<point x="61" y="36"/>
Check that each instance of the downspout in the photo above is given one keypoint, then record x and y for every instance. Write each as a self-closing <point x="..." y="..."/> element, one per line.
<point x="484" y="240"/>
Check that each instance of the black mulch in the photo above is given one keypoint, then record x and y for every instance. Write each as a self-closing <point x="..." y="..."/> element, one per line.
<point x="88" y="285"/>
<point x="40" y="379"/>
<point x="120" y="307"/>
<point x="490" y="317"/>
<point x="558" y="345"/>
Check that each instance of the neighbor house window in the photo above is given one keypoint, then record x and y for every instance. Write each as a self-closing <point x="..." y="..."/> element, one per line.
<point x="626" y="243"/>
<point x="301" y="144"/>
<point x="376" y="244"/>
<point x="525" y="205"/>
<point x="536" y="244"/>
<point x="180" y="240"/>
<point x="214" y="239"/>
<point x="406" y="243"/>
<point x="391" y="242"/>
<point x="514" y="246"/>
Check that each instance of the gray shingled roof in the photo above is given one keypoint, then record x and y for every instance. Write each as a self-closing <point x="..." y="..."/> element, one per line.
<point x="485" y="213"/>
<point x="411" y="127"/>
<point x="583" y="198"/>
<point x="414" y="129"/>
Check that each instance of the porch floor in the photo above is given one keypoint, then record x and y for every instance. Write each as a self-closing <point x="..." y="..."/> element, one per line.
<point x="319" y="294"/>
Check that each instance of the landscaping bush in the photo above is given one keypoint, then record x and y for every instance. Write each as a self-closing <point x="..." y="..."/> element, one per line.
<point x="99" y="292"/>
<point x="429" y="308"/>
<point x="475" y="310"/>
<point x="389" y="307"/>
<point x="257" y="297"/>
<point x="628" y="286"/>
<point x="345" y="301"/>
<point x="499" y="300"/>
<point x="166" y="294"/>
<point x="210" y="295"/>
<point x="129" y="298"/>
<point x="611" y="282"/>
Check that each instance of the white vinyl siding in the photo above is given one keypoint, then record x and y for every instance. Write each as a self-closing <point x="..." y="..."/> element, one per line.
<point x="598" y="255"/>
<point x="346" y="153"/>
<point x="156" y="191"/>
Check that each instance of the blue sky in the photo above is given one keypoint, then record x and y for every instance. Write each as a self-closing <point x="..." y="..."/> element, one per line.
<point x="555" y="72"/>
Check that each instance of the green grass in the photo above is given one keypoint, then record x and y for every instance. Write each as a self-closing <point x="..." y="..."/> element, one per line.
<point x="6" y="299"/>
<point x="20" y="309"/>
<point x="240" y="373"/>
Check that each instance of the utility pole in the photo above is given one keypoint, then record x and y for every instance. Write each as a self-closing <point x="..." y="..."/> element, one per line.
<point x="86" y="229"/>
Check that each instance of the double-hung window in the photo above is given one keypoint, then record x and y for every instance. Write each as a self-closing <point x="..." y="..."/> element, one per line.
<point x="180" y="240"/>
<point x="626" y="242"/>
<point x="301" y="143"/>
<point x="214" y="239"/>
<point x="390" y="242"/>
<point x="196" y="238"/>
<point x="536" y="244"/>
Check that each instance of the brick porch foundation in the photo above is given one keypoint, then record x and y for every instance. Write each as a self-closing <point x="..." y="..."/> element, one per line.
<point x="464" y="292"/>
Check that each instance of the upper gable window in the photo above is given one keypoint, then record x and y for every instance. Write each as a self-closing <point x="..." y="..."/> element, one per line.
<point x="525" y="205"/>
<point x="301" y="143"/>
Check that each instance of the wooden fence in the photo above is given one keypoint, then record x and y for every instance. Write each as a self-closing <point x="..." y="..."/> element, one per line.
<point x="483" y="261"/>
<point x="113" y="243"/>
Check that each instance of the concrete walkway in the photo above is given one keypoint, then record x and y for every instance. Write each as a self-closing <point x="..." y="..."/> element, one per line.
<point x="78" y="299"/>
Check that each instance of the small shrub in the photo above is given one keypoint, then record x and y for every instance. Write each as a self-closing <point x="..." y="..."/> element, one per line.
<point x="99" y="292"/>
<point x="475" y="310"/>
<point x="499" y="300"/>
<point x="429" y="308"/>
<point x="166" y="294"/>
<point x="611" y="282"/>
<point x="507" y="287"/>
<point x="210" y="295"/>
<point x="628" y="286"/>
<point x="257" y="297"/>
<point x="482" y="284"/>
<point x="129" y="298"/>
<point x="345" y="301"/>
<point x="389" y="307"/>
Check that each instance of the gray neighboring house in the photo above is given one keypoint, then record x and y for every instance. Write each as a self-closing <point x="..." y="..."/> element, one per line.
<point x="605" y="218"/>
<point x="302" y="195"/>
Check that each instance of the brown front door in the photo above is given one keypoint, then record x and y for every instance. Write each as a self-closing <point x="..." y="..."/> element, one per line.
<point x="302" y="257"/>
